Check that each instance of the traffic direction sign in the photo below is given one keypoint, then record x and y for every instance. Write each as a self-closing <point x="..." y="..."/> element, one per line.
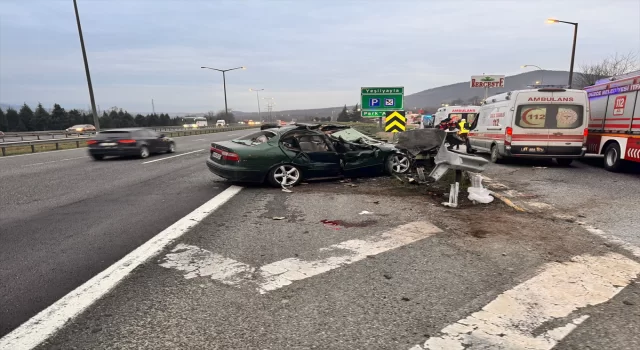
<point x="376" y="99"/>
<point x="395" y="121"/>
<point x="374" y="114"/>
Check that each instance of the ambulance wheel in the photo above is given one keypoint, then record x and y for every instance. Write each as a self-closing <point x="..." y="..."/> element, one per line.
<point x="495" y="155"/>
<point x="612" y="161"/>
<point x="564" y="161"/>
<point x="468" y="146"/>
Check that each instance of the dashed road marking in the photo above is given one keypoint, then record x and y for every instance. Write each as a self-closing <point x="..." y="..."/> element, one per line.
<point x="55" y="161"/>
<point x="47" y="322"/>
<point x="510" y="320"/>
<point x="177" y="155"/>
<point x="197" y="262"/>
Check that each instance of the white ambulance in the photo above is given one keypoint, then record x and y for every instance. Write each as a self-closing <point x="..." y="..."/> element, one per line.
<point x="456" y="113"/>
<point x="534" y="123"/>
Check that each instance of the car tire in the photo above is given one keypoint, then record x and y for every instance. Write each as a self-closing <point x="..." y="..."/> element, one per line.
<point x="172" y="148"/>
<point x="284" y="175"/>
<point x="612" y="160"/>
<point x="564" y="161"/>
<point x="397" y="164"/>
<point x="97" y="156"/>
<point x="496" y="158"/>
<point x="143" y="152"/>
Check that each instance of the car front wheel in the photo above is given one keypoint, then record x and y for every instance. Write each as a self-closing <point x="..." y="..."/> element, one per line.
<point x="398" y="163"/>
<point x="285" y="175"/>
<point x="144" y="152"/>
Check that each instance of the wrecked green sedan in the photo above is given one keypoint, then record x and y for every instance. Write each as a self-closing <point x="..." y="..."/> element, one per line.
<point x="286" y="155"/>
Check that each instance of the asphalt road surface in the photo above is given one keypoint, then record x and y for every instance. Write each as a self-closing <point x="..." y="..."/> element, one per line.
<point x="65" y="217"/>
<point x="370" y="266"/>
<point x="606" y="200"/>
<point x="374" y="263"/>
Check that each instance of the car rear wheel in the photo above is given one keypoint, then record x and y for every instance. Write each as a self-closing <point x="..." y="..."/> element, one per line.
<point x="398" y="163"/>
<point x="285" y="175"/>
<point x="172" y="148"/>
<point x="97" y="156"/>
<point x="612" y="161"/>
<point x="144" y="152"/>
<point x="564" y="161"/>
<point x="495" y="155"/>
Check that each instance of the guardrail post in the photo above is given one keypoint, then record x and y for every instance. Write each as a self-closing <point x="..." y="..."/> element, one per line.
<point x="4" y="150"/>
<point x="77" y="144"/>
<point x="33" y="149"/>
<point x="21" y="138"/>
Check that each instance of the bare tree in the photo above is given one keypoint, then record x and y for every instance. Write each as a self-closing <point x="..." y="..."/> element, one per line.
<point x="616" y="64"/>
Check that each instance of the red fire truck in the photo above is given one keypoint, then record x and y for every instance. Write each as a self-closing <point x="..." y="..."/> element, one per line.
<point x="614" y="121"/>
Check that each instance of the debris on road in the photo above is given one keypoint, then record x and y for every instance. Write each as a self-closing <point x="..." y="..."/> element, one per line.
<point x="284" y="189"/>
<point x="364" y="212"/>
<point x="278" y="218"/>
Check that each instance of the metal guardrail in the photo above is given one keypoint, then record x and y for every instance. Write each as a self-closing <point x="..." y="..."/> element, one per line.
<point x="52" y="133"/>
<point x="78" y="140"/>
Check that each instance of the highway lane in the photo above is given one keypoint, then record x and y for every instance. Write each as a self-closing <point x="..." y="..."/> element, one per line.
<point x="66" y="217"/>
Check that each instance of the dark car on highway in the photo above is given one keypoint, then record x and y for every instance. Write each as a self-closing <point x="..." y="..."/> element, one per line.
<point x="286" y="155"/>
<point x="129" y="142"/>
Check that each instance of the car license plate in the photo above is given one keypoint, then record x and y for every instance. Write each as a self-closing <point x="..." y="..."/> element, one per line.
<point x="216" y="155"/>
<point x="108" y="144"/>
<point x="532" y="150"/>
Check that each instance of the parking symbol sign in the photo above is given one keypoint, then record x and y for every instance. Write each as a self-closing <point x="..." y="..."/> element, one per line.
<point x="374" y="102"/>
<point x="390" y="102"/>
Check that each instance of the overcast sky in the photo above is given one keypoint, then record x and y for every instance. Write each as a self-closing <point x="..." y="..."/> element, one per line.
<point x="304" y="53"/>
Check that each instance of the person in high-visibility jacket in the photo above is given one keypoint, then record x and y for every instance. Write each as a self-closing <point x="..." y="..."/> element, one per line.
<point x="463" y="132"/>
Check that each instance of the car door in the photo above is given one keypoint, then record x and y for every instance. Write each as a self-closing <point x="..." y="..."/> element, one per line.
<point x="155" y="142"/>
<point x="316" y="157"/>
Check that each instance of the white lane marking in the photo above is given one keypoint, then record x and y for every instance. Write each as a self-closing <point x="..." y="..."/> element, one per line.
<point x="55" y="161"/>
<point x="198" y="262"/>
<point x="47" y="322"/>
<point x="635" y="250"/>
<point x="510" y="320"/>
<point x="44" y="152"/>
<point x="198" y="140"/>
<point x="177" y="155"/>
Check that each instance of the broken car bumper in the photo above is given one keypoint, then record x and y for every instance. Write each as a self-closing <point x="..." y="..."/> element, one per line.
<point x="235" y="173"/>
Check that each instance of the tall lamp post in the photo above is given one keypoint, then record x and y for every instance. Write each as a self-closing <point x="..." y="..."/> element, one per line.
<point x="257" y="98"/>
<point x="270" y="105"/>
<point x="541" y="71"/>
<point x="573" y="50"/>
<point x="96" y="121"/>
<point x="224" y="84"/>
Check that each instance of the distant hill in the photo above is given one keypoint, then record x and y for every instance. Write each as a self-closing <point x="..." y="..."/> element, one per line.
<point x="444" y="94"/>
<point x="436" y="96"/>
<point x="428" y="98"/>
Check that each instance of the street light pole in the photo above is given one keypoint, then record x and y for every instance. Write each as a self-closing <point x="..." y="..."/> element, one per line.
<point x="96" y="121"/>
<point x="541" y="71"/>
<point x="257" y="98"/>
<point x="573" y="50"/>
<point x="224" y="84"/>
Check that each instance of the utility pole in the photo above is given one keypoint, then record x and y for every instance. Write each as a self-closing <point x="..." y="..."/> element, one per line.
<point x="96" y="121"/>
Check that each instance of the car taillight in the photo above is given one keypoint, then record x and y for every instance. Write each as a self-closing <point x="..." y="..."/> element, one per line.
<point x="585" y="133"/>
<point x="507" y="138"/>
<point x="92" y="142"/>
<point x="127" y="141"/>
<point x="230" y="156"/>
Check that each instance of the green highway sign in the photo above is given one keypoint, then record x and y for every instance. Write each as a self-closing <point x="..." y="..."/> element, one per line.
<point x="381" y="99"/>
<point x="374" y="114"/>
